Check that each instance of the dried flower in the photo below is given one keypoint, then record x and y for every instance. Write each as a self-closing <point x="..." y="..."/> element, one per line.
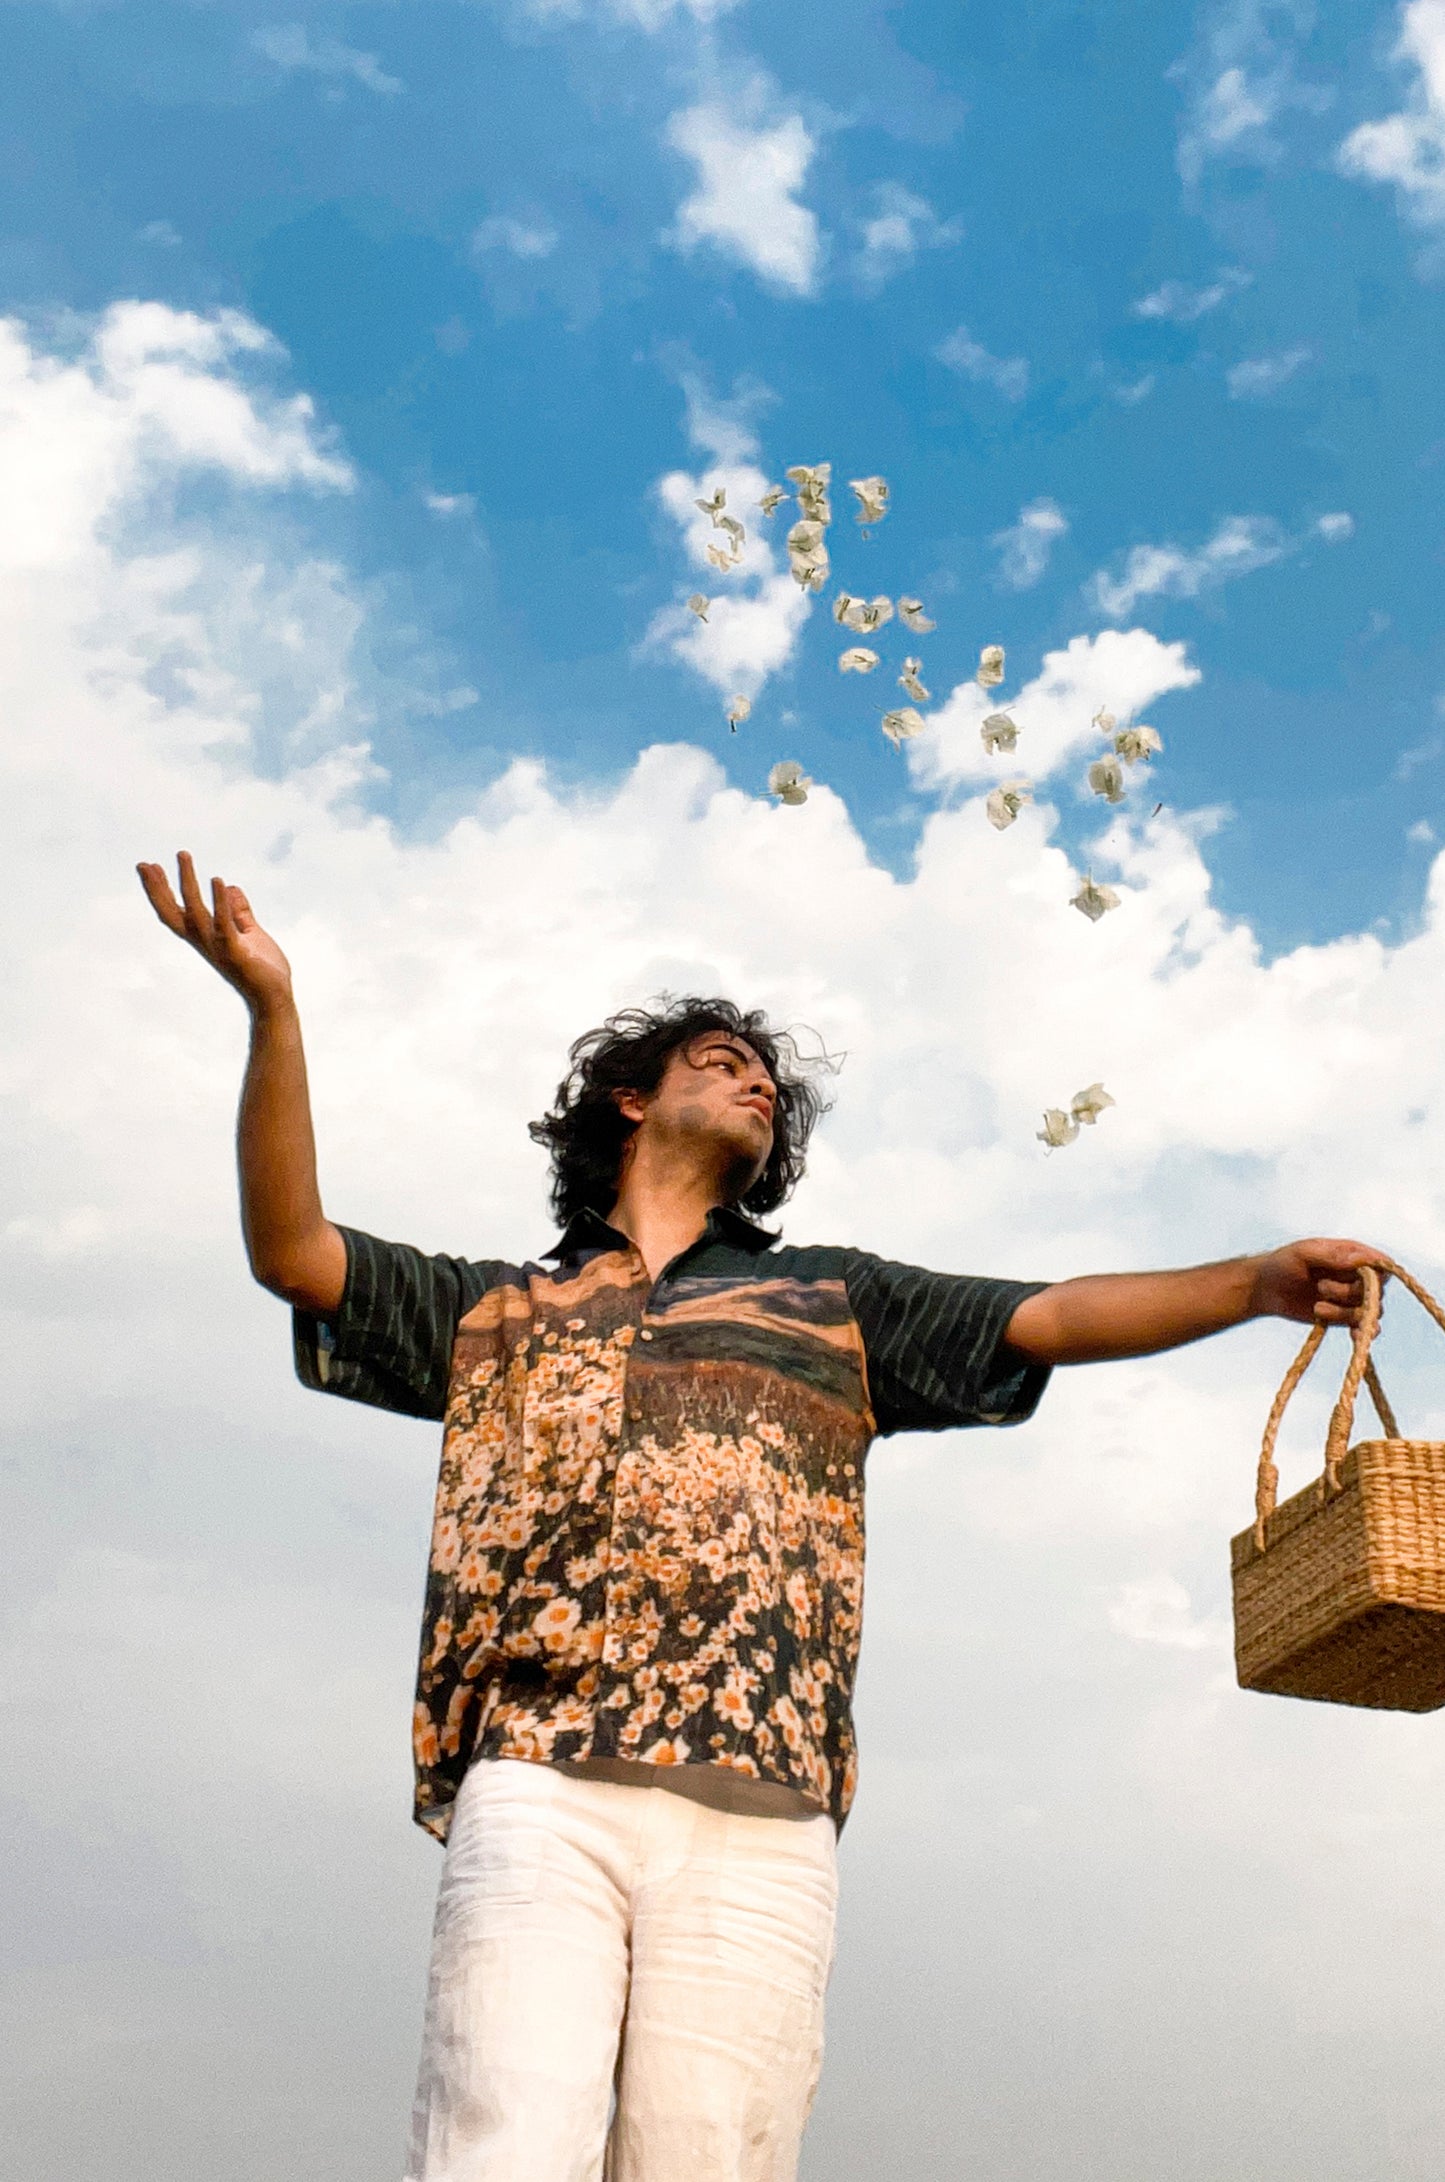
<point x="1104" y="721"/>
<point x="901" y="726"/>
<point x="698" y="604"/>
<point x="1094" y="901"/>
<point x="715" y="505"/>
<point x="1007" y="800"/>
<point x="912" y="616"/>
<point x="1088" y="1104"/>
<point x="857" y="660"/>
<point x="738" y="710"/>
<point x="788" y="782"/>
<point x="909" y="680"/>
<point x="721" y="558"/>
<point x="1106" y="778"/>
<point x="1059" y="1128"/>
<point x="990" y="666"/>
<point x="999" y="732"/>
<point x="1134" y="743"/>
<point x="867" y="615"/>
<point x="735" y="531"/>
<point x="812" y="487"/>
<point x="843" y="606"/>
<point x="772" y="500"/>
<point x="872" y="498"/>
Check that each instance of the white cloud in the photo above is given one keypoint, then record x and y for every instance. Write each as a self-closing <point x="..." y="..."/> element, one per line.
<point x="1258" y="376"/>
<point x="524" y="238"/>
<point x="1335" y="527"/>
<point x="289" y="46"/>
<point x="901" y="225"/>
<point x="450" y="503"/>
<point x="1136" y="391"/>
<point x="1181" y="304"/>
<point x="226" y="1531"/>
<point x="750" y="174"/>
<point x="1241" y="81"/>
<point x="725" y="427"/>
<point x="1008" y="374"/>
<point x="1119" y="670"/>
<point x="163" y="233"/>
<point x="758" y="612"/>
<point x="1026" y="545"/>
<point x="648" y="15"/>
<point x="1408" y="148"/>
<point x="1241" y="544"/>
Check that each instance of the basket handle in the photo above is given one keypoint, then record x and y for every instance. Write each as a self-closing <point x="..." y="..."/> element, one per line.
<point x="1360" y="1367"/>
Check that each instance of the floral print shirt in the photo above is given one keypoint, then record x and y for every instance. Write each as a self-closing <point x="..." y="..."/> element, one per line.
<point x="648" y="1538"/>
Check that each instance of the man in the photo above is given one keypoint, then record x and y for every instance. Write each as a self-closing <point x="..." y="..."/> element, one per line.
<point x="633" y="1722"/>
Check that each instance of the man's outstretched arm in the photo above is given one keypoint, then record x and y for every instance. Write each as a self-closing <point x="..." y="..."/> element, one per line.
<point x="294" y="1249"/>
<point x="1108" y="1315"/>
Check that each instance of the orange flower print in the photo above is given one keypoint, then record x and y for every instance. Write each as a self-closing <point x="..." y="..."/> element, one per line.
<point x="446" y="1545"/>
<point x="731" y="1705"/>
<point x="555" y="1623"/>
<point x="667" y="1750"/>
<point x="424" y="1742"/>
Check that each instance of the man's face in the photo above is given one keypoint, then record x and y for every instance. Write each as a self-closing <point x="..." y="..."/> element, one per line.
<point x="715" y="1094"/>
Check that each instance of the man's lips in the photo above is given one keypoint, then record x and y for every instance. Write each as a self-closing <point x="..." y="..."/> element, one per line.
<point x="758" y="1106"/>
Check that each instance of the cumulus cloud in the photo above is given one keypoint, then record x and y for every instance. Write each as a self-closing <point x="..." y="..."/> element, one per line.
<point x="1258" y="376"/>
<point x="649" y="15"/>
<point x="1024" y="548"/>
<point x="1335" y="527"/>
<point x="1181" y="304"/>
<point x="757" y="613"/>
<point x="750" y="174"/>
<point x="450" y="503"/>
<point x="1009" y="375"/>
<point x="1407" y="148"/>
<point x="1241" y="81"/>
<point x="901" y="224"/>
<point x="195" y="1893"/>
<point x="289" y="46"/>
<point x="1241" y="544"/>
<point x="1119" y="670"/>
<point x="523" y="238"/>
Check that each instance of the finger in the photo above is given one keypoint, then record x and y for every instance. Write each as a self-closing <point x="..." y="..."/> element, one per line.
<point x="198" y="916"/>
<point x="224" y="913"/>
<point x="162" y="900"/>
<point x="1339" y="1291"/>
<point x="244" y="914"/>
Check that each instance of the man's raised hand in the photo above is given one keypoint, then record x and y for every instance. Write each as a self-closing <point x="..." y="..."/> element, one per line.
<point x="1317" y="1280"/>
<point x="226" y="933"/>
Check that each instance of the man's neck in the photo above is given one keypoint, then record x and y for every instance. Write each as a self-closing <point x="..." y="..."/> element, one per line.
<point x="663" y="1217"/>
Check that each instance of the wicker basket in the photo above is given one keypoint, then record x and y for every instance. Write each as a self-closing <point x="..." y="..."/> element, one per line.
<point x="1339" y="1594"/>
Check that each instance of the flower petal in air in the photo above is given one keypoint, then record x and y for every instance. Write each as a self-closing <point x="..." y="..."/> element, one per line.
<point x="698" y="604"/>
<point x="909" y="680"/>
<point x="1104" y="721"/>
<point x="715" y="506"/>
<point x="1006" y="801"/>
<point x="912" y="616"/>
<point x="788" y="782"/>
<point x="1059" y="1128"/>
<point x="901" y="726"/>
<point x="772" y="500"/>
<point x="1106" y="778"/>
<point x="872" y="495"/>
<point x="857" y="660"/>
<point x="1094" y="901"/>
<point x="738" y="710"/>
<point x="990" y="666"/>
<point x="1134" y="743"/>
<point x="999" y="732"/>
<point x="1088" y="1104"/>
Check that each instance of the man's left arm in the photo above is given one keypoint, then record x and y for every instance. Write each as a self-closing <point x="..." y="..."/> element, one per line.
<point x="1107" y="1315"/>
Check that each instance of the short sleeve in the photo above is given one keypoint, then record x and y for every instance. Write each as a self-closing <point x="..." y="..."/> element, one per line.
<point x="935" y="1346"/>
<point x="390" y="1343"/>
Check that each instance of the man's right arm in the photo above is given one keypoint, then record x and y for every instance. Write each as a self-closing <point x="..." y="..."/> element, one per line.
<point x="294" y="1250"/>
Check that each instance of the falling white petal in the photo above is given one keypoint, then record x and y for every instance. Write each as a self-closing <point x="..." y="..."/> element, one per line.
<point x="1094" y="901"/>
<point x="788" y="782"/>
<point x="738" y="710"/>
<point x="1134" y="743"/>
<point x="806" y="536"/>
<point x="843" y="606"/>
<point x="901" y="726"/>
<point x="715" y="505"/>
<point x="990" y="666"/>
<point x="1105" y="721"/>
<point x="1088" y="1104"/>
<point x="866" y="615"/>
<point x="912" y="616"/>
<point x="872" y="495"/>
<point x="1059" y="1128"/>
<point x="735" y="531"/>
<point x="812" y="484"/>
<point x="721" y="558"/>
<point x="999" y="732"/>
<point x="698" y="604"/>
<point x="772" y="500"/>
<point x="1006" y="801"/>
<point x="857" y="660"/>
<point x="809" y="570"/>
<point x="1106" y="778"/>
<point x="909" y="680"/>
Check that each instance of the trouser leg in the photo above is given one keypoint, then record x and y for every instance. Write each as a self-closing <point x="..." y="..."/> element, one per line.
<point x="732" y="1941"/>
<point x="528" y="1981"/>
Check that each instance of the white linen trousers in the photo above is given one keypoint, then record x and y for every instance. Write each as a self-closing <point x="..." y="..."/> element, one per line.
<point x="595" y="1939"/>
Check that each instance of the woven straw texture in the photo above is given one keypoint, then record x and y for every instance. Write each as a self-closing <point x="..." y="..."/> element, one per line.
<point x="1339" y="1594"/>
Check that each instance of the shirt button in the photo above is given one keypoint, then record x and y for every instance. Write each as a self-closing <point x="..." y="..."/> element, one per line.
<point x="647" y="1333"/>
<point x="635" y="1415"/>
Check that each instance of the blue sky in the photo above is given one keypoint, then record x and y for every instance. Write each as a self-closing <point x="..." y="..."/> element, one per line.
<point x="462" y="222"/>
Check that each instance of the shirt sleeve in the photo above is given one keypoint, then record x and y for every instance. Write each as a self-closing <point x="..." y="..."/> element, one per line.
<point x="935" y="1346"/>
<point x="390" y="1342"/>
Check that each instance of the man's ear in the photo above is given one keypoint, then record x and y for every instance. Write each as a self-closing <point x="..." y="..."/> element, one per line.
<point x="632" y="1105"/>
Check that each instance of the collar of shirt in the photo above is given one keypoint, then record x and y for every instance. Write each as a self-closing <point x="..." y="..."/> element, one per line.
<point x="588" y="1231"/>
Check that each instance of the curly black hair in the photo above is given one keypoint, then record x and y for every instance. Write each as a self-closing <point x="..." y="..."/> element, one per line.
<point x="586" y="1132"/>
